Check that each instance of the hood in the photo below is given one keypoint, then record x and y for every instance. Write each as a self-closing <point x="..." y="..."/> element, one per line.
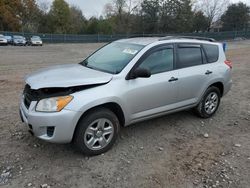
<point x="66" y="76"/>
<point x="2" y="39"/>
<point x="36" y="40"/>
<point x="19" y="40"/>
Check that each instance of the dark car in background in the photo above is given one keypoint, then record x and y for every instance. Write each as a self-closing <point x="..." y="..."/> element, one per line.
<point x="19" y="40"/>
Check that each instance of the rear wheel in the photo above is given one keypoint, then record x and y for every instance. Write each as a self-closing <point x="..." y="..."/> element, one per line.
<point x="96" y="132"/>
<point x="209" y="103"/>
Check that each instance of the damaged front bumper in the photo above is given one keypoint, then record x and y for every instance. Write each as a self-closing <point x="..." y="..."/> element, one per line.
<point x="56" y="127"/>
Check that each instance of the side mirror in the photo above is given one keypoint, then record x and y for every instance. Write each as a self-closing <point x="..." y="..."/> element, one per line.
<point x="141" y="73"/>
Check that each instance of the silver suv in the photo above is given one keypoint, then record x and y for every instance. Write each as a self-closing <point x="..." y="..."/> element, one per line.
<point x="124" y="82"/>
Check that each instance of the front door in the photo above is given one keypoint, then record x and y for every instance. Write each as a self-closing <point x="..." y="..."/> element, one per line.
<point x="156" y="94"/>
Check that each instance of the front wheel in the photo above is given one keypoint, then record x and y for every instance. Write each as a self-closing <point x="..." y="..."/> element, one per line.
<point x="209" y="103"/>
<point x="96" y="132"/>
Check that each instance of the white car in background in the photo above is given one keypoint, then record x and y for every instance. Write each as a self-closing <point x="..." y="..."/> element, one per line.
<point x="3" y="40"/>
<point x="35" y="41"/>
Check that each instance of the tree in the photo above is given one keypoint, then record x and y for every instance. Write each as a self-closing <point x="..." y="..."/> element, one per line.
<point x="236" y="17"/>
<point x="200" y="22"/>
<point x="10" y="15"/>
<point x="92" y="27"/>
<point x="176" y="16"/>
<point x="30" y="16"/>
<point x="150" y="10"/>
<point x="120" y="15"/>
<point x="213" y="9"/>
<point x="104" y="26"/>
<point x="60" y="16"/>
<point x="77" y="21"/>
<point x="184" y="17"/>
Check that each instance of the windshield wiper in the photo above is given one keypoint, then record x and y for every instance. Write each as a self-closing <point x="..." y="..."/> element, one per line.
<point x="84" y="62"/>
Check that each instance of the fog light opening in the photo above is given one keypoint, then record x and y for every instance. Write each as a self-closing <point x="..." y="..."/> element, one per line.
<point x="50" y="131"/>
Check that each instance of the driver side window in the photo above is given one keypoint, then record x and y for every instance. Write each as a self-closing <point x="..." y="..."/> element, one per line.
<point x="159" y="61"/>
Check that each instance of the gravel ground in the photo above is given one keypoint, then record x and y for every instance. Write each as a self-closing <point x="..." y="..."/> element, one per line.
<point x="178" y="150"/>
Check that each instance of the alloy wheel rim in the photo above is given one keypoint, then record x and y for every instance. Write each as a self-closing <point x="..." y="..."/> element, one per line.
<point x="211" y="102"/>
<point x="99" y="134"/>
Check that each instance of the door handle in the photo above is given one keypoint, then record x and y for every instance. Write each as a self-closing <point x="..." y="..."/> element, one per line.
<point x="208" y="72"/>
<point x="173" y="79"/>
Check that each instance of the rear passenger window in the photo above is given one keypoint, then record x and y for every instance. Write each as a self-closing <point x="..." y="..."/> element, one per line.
<point x="212" y="52"/>
<point x="188" y="56"/>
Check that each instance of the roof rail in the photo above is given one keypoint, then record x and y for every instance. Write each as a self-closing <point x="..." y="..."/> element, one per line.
<point x="187" y="37"/>
<point x="145" y="35"/>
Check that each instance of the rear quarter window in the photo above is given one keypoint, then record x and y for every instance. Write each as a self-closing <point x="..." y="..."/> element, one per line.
<point x="188" y="56"/>
<point x="212" y="52"/>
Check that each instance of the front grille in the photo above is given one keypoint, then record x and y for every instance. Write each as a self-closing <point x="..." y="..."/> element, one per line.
<point x="29" y="95"/>
<point x="27" y="101"/>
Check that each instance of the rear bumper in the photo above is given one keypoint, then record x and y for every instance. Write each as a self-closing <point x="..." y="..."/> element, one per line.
<point x="227" y="87"/>
<point x="56" y="127"/>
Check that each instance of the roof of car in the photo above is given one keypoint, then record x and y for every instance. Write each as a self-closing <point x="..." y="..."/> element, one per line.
<point x="148" y="40"/>
<point x="140" y="40"/>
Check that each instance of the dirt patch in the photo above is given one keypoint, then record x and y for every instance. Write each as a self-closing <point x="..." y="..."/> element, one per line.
<point x="170" y="151"/>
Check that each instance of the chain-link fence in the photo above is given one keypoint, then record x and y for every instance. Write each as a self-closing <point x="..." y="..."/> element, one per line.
<point x="93" y="38"/>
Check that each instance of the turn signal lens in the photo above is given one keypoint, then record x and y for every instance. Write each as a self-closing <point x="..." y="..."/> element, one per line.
<point x="62" y="102"/>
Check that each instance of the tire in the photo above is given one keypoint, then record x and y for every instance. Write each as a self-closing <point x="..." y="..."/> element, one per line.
<point x="96" y="132"/>
<point x="212" y="98"/>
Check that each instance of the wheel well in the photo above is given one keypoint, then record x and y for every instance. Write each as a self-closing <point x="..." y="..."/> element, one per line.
<point x="220" y="86"/>
<point x="114" y="107"/>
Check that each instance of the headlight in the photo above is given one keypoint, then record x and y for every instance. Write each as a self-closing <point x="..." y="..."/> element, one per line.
<point x="54" y="104"/>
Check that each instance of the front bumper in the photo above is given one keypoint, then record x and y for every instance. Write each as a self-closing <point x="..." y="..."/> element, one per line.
<point x="56" y="127"/>
<point x="36" y="43"/>
<point x="19" y="43"/>
<point x="3" y="42"/>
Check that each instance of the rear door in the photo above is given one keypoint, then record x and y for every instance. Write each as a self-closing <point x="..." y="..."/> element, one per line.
<point x="193" y="72"/>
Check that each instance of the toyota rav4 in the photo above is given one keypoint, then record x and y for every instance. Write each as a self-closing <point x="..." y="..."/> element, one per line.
<point x="124" y="82"/>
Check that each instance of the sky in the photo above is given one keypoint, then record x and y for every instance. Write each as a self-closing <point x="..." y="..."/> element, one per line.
<point x="95" y="7"/>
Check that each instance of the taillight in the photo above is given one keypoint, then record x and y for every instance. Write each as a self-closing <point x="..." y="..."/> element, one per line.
<point x="229" y="63"/>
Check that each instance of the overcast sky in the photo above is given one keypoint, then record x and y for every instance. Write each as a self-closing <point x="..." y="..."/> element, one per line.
<point x="95" y="7"/>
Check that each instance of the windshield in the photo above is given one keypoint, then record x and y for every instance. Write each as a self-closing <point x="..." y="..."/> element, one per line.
<point x="18" y="37"/>
<point x="113" y="57"/>
<point x="35" y="38"/>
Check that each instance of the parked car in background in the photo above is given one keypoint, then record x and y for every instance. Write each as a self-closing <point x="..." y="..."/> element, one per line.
<point x="3" y="40"/>
<point x="19" y="40"/>
<point x="124" y="82"/>
<point x="9" y="39"/>
<point x="35" y="41"/>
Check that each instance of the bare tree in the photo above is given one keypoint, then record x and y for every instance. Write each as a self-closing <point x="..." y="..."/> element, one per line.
<point x="43" y="6"/>
<point x="121" y="11"/>
<point x="108" y="10"/>
<point x="213" y="9"/>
